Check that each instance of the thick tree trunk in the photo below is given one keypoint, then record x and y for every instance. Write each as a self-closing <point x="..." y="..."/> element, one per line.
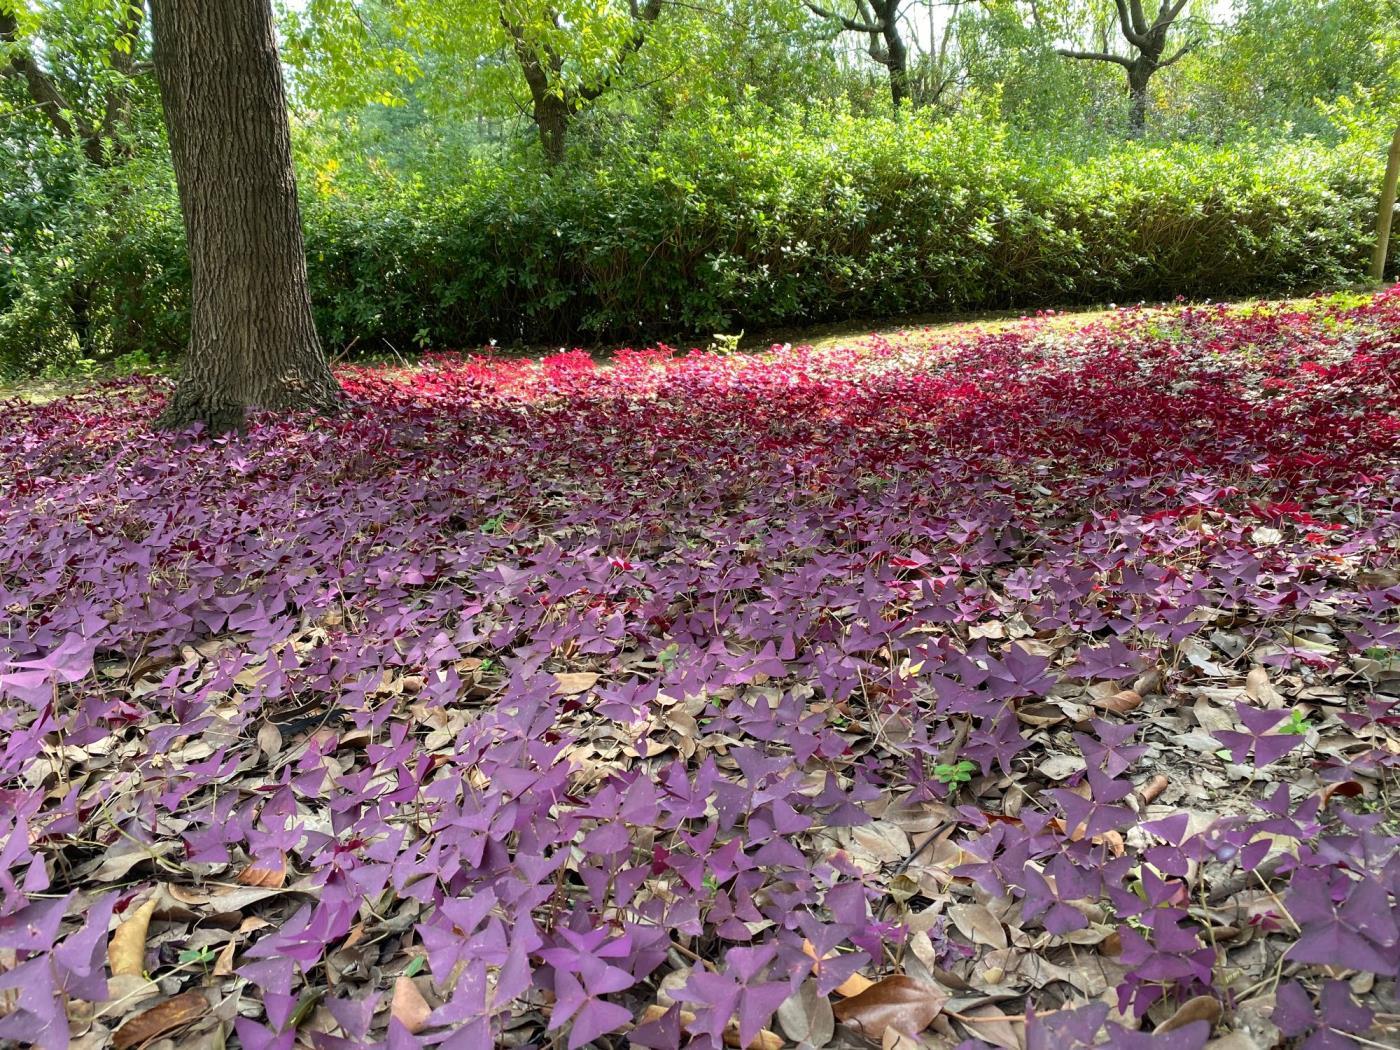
<point x="253" y="341"/>
<point x="898" y="64"/>
<point x="552" y="120"/>
<point x="1139" y="73"/>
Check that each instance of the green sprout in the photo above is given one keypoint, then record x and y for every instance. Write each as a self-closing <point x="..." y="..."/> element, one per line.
<point x="955" y="774"/>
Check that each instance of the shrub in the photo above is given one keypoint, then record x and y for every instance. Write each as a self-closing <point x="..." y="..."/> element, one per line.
<point x="730" y="225"/>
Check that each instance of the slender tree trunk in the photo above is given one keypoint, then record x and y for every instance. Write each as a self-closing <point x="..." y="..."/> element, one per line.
<point x="1386" y="215"/>
<point x="253" y="341"/>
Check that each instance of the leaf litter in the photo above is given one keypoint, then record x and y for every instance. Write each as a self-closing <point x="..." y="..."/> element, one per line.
<point x="1041" y="689"/>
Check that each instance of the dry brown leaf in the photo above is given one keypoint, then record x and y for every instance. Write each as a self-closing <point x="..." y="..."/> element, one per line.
<point x="1112" y="839"/>
<point x="126" y="992"/>
<point x="995" y="1027"/>
<point x="978" y="925"/>
<point x="1041" y="714"/>
<point x="1201" y="1008"/>
<point x="897" y="1002"/>
<point x="223" y="965"/>
<point x="574" y="682"/>
<point x="1152" y="789"/>
<point x="409" y="1007"/>
<point x="884" y="840"/>
<point x="1122" y="702"/>
<point x="765" y="1040"/>
<point x="852" y="985"/>
<point x="807" y="1017"/>
<point x="160" y="1019"/>
<point x="269" y="740"/>
<point x="265" y="874"/>
<point x="1258" y="686"/>
<point x="897" y="1040"/>
<point x="186" y="894"/>
<point x="126" y="951"/>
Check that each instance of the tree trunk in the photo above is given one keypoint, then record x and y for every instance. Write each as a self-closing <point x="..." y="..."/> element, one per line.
<point x="253" y="340"/>
<point x="552" y="120"/>
<point x="1385" y="217"/>
<point x="898" y="64"/>
<point x="1139" y="73"/>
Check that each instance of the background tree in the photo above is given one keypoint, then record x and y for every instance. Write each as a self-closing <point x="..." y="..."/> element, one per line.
<point x="565" y="54"/>
<point x="1147" y="42"/>
<point x="252" y="336"/>
<point x="879" y="20"/>
<point x="86" y="102"/>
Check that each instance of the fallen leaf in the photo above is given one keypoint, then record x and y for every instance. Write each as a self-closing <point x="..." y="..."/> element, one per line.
<point x="1152" y="789"/>
<point x="807" y="1017"/>
<point x="995" y="1028"/>
<point x="852" y="985"/>
<point x="160" y="1019"/>
<point x="978" y="925"/>
<point x="765" y="1040"/>
<point x="126" y="951"/>
<point x="223" y="965"/>
<point x="885" y="841"/>
<point x="896" y="1040"/>
<point x="1060" y="767"/>
<point x="898" y="1002"/>
<point x="1202" y="1008"/>
<point x="115" y="866"/>
<point x="266" y="875"/>
<point x="269" y="740"/>
<point x="572" y="683"/>
<point x="1122" y="702"/>
<point x="1258" y="686"/>
<point x="409" y="1007"/>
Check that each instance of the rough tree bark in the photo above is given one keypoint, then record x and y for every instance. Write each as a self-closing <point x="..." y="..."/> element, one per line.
<point x="879" y="20"/>
<point x="1148" y="40"/>
<point x="253" y="341"/>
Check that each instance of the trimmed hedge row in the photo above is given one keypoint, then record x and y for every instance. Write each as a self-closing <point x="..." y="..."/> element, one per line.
<point x="726" y="227"/>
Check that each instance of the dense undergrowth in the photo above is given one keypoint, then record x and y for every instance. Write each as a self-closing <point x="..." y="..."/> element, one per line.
<point x="1046" y="679"/>
<point x="716" y="228"/>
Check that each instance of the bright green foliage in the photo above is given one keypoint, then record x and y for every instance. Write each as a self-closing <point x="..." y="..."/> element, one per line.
<point x="955" y="774"/>
<point x="452" y="54"/>
<point x="739" y="169"/>
<point x="735" y="226"/>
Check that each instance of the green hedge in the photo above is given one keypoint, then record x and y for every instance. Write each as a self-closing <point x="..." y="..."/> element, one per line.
<point x="725" y="227"/>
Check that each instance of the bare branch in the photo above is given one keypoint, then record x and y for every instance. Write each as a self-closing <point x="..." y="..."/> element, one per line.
<point x="1139" y="17"/>
<point x="1094" y="56"/>
<point x="1125" y="21"/>
<point x="849" y="23"/>
<point x="1166" y="15"/>
<point x="1181" y="52"/>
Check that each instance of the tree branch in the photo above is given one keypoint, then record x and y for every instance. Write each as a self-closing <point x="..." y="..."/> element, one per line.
<point x="1139" y="17"/>
<point x="1166" y="15"/>
<point x="1094" y="56"/>
<point x="42" y="89"/>
<point x="1131" y="33"/>
<point x="1181" y="52"/>
<point x="122" y="60"/>
<point x="645" y="16"/>
<point x="536" y="79"/>
<point x="849" y="23"/>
